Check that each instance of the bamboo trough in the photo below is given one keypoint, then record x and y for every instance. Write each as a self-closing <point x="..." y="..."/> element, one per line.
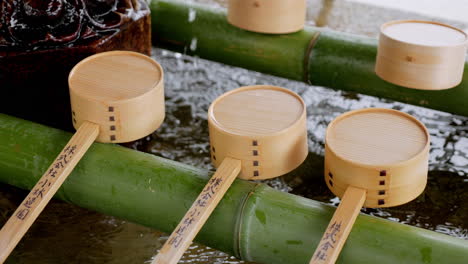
<point x="249" y="222"/>
<point x="316" y="56"/>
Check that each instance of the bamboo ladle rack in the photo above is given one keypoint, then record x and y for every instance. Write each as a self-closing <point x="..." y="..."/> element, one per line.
<point x="116" y="97"/>
<point x="268" y="16"/>
<point x="256" y="132"/>
<point x="373" y="157"/>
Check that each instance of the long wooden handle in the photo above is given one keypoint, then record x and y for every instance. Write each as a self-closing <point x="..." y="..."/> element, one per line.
<point x="197" y="215"/>
<point x="338" y="230"/>
<point x="19" y="223"/>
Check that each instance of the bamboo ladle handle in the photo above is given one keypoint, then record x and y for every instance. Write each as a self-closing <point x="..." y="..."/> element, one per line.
<point x="337" y="232"/>
<point x="197" y="215"/>
<point x="19" y="223"/>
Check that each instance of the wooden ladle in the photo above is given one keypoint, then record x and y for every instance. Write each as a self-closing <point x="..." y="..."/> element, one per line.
<point x="256" y="132"/>
<point x="422" y="55"/>
<point x="116" y="97"/>
<point x="373" y="157"/>
<point x="268" y="16"/>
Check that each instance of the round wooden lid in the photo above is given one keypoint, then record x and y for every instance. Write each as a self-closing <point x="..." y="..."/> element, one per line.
<point x="376" y="137"/>
<point x="425" y="33"/>
<point x="115" y="76"/>
<point x="257" y="110"/>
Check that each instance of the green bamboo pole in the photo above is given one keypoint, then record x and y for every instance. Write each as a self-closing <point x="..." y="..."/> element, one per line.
<point x="253" y="221"/>
<point x="116" y="181"/>
<point x="326" y="58"/>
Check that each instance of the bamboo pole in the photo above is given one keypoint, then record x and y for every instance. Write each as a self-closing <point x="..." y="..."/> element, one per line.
<point x="325" y="58"/>
<point x="253" y="221"/>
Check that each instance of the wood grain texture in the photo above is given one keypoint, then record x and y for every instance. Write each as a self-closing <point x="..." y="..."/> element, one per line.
<point x="25" y="215"/>
<point x="376" y="137"/>
<point x="115" y="76"/>
<point x="197" y="215"/>
<point x="263" y="126"/>
<point x="383" y="151"/>
<point x="426" y="33"/>
<point x="421" y="54"/>
<point x="267" y="16"/>
<point x="121" y="91"/>
<point x="257" y="112"/>
<point x="340" y="226"/>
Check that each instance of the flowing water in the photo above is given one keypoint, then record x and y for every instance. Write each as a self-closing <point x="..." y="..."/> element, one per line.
<point x="77" y="235"/>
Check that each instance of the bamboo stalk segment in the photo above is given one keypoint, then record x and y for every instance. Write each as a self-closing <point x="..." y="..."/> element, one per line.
<point x="421" y="54"/>
<point x="256" y="132"/>
<point x="154" y="191"/>
<point x="373" y="157"/>
<point x="319" y="57"/>
<point x="110" y="93"/>
<point x="268" y="16"/>
<point x="40" y="195"/>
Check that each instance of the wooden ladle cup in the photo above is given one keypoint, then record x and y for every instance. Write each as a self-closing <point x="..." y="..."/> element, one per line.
<point x="256" y="132"/>
<point x="116" y="97"/>
<point x="268" y="16"/>
<point x="422" y="55"/>
<point x="373" y="157"/>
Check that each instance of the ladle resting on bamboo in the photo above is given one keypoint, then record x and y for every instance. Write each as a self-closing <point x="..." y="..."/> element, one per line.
<point x="115" y="97"/>
<point x="256" y="132"/>
<point x="373" y="157"/>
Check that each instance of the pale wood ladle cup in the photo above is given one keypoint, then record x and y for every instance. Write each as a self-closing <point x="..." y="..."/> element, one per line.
<point x="373" y="157"/>
<point x="268" y="16"/>
<point x="256" y="132"/>
<point x="422" y="55"/>
<point x="116" y="97"/>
